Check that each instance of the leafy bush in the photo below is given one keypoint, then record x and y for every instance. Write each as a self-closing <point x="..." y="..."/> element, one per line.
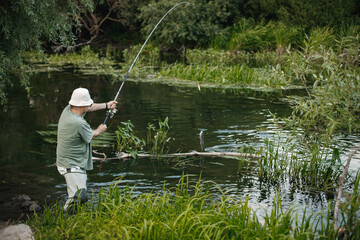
<point x="190" y="25"/>
<point x="148" y="58"/>
<point x="333" y="102"/>
<point x="249" y="35"/>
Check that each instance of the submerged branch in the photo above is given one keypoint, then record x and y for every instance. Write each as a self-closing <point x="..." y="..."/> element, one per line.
<point x="123" y="155"/>
<point x="342" y="178"/>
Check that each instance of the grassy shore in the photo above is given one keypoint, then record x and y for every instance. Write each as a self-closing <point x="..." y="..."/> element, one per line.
<point x="189" y="212"/>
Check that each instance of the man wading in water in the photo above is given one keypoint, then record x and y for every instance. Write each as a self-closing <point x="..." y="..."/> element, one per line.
<point x="74" y="152"/>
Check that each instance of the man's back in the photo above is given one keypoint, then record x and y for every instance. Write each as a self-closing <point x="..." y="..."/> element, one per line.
<point x="73" y="141"/>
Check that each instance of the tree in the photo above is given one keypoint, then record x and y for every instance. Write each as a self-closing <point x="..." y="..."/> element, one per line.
<point x="103" y="19"/>
<point x="25" y="25"/>
<point x="191" y="25"/>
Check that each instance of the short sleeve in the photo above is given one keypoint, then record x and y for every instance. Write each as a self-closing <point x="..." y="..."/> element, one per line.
<point x="86" y="132"/>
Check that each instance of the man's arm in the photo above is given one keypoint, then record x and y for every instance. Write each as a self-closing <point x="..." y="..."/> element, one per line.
<point x="101" y="128"/>
<point x="101" y="106"/>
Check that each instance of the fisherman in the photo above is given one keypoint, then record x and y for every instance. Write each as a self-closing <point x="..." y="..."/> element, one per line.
<point x="74" y="152"/>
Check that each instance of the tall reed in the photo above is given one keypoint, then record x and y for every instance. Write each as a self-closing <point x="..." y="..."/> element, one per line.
<point x="313" y="167"/>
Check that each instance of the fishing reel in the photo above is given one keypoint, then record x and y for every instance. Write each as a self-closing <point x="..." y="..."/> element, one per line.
<point x="112" y="112"/>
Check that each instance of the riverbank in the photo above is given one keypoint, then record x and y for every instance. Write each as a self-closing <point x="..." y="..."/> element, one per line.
<point x="17" y="208"/>
<point x="187" y="212"/>
<point x="13" y="214"/>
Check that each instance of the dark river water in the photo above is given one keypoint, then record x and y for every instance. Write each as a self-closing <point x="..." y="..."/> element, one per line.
<point x="229" y="119"/>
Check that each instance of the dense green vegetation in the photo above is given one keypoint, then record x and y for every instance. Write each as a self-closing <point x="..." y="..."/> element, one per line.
<point x="26" y="25"/>
<point x="189" y="212"/>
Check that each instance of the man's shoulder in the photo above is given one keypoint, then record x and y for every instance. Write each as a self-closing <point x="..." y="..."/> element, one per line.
<point x="67" y="114"/>
<point x="69" y="120"/>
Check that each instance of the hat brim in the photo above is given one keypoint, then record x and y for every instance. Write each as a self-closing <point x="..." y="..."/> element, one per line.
<point x="80" y="103"/>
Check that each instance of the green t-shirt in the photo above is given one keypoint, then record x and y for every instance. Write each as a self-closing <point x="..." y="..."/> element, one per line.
<point x="73" y="141"/>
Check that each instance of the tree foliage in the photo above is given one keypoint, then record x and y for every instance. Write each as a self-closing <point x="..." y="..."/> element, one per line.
<point x="197" y="24"/>
<point x="306" y="13"/>
<point x="26" y="25"/>
<point x="103" y="16"/>
<point x="191" y="25"/>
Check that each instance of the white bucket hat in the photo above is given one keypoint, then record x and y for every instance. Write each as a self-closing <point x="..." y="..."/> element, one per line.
<point x="80" y="97"/>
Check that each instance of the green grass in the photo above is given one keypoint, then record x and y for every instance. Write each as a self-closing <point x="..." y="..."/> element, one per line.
<point x="87" y="61"/>
<point x="241" y="75"/>
<point x="188" y="212"/>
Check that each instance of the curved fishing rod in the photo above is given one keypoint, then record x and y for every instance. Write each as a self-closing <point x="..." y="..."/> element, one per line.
<point x="112" y="111"/>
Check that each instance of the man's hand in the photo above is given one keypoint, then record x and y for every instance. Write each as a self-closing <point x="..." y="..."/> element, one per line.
<point x="111" y="104"/>
<point x="101" y="128"/>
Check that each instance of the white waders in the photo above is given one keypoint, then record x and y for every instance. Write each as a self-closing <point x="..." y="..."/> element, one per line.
<point x="76" y="181"/>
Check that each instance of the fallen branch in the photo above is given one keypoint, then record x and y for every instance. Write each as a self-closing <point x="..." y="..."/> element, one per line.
<point x="123" y="155"/>
<point x="342" y="178"/>
<point x="101" y="159"/>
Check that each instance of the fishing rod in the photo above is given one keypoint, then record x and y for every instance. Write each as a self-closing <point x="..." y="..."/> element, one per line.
<point x="112" y="111"/>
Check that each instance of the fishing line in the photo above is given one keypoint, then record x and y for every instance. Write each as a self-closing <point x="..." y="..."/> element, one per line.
<point x="112" y="111"/>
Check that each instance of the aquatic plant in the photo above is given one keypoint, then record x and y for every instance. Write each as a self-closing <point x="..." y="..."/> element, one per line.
<point x="87" y="61"/>
<point x="251" y="36"/>
<point x="127" y="141"/>
<point x="319" y="38"/>
<point x="312" y="167"/>
<point x="285" y="37"/>
<point x="86" y="57"/>
<point x="157" y="138"/>
<point x="190" y="211"/>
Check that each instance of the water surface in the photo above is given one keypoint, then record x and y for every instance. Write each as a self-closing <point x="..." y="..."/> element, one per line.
<point x="230" y="120"/>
